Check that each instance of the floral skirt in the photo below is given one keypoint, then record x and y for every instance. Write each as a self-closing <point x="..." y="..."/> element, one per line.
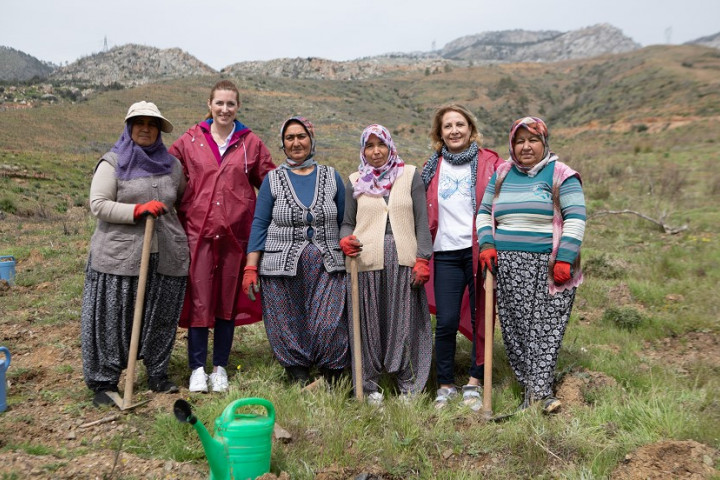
<point x="533" y="322"/>
<point x="305" y="316"/>
<point x="106" y="323"/>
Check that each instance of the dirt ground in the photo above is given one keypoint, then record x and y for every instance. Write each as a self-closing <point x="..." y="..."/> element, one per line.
<point x="43" y="354"/>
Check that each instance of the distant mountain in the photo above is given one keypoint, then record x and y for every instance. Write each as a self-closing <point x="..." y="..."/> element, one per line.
<point x="709" y="41"/>
<point x="542" y="46"/>
<point x="489" y="47"/>
<point x="18" y="66"/>
<point x="131" y="65"/>
<point x="320" y="68"/>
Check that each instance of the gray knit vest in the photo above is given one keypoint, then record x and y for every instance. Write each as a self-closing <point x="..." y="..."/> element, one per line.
<point x="117" y="248"/>
<point x="287" y="234"/>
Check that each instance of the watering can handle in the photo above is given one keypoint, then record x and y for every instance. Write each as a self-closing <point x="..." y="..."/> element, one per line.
<point x="229" y="412"/>
<point x="6" y="363"/>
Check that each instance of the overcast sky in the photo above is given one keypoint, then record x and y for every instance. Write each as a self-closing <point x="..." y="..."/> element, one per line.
<point x="221" y="33"/>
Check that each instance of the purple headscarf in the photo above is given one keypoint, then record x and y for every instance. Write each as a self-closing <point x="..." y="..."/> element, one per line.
<point x="135" y="161"/>
<point x="373" y="181"/>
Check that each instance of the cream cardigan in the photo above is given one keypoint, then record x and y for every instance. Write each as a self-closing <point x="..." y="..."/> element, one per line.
<point x="371" y="220"/>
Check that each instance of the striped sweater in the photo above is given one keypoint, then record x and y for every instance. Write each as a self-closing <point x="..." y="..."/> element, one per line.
<point x="523" y="213"/>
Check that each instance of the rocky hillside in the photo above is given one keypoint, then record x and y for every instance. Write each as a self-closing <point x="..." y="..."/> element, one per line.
<point x="18" y="66"/>
<point x="542" y="46"/>
<point x="322" y="69"/>
<point x="489" y="47"/>
<point x="131" y="65"/>
<point x="709" y="41"/>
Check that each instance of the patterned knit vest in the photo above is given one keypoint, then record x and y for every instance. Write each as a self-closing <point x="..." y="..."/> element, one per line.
<point x="372" y="217"/>
<point x="287" y="234"/>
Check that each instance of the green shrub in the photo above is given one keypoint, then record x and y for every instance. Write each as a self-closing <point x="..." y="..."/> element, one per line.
<point x="602" y="267"/>
<point x="625" y="318"/>
<point x="7" y="206"/>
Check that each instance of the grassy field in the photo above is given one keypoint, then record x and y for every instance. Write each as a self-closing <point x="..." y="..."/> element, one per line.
<point x="640" y="363"/>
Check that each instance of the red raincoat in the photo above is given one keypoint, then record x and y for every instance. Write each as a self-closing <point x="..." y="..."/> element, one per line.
<point x="217" y="211"/>
<point x="488" y="161"/>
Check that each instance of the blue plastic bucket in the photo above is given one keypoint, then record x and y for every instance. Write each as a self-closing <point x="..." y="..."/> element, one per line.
<point x="7" y="268"/>
<point x="3" y="367"/>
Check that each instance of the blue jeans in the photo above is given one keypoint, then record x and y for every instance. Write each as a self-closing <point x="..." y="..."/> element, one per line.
<point x="222" y="342"/>
<point x="453" y="274"/>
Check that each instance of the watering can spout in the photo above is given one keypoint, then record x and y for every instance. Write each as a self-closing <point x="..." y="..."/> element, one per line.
<point x="214" y="449"/>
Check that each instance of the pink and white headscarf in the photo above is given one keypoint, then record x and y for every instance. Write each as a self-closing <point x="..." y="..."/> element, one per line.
<point x="373" y="181"/>
<point x="535" y="126"/>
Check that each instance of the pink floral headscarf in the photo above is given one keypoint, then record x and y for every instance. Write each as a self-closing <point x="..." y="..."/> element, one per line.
<point x="373" y="181"/>
<point x="536" y="126"/>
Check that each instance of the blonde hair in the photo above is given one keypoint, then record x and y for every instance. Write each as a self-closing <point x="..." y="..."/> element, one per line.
<point x="223" y="85"/>
<point x="436" y="129"/>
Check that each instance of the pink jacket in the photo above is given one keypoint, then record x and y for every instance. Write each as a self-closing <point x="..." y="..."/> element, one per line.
<point x="217" y="211"/>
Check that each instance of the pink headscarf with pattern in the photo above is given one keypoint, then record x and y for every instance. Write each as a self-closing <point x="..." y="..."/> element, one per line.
<point x="536" y="126"/>
<point x="373" y="181"/>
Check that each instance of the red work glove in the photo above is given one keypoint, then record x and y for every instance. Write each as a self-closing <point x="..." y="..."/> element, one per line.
<point x="420" y="273"/>
<point x="488" y="260"/>
<point x="561" y="272"/>
<point x="250" y="284"/>
<point x="153" y="207"/>
<point x="350" y="245"/>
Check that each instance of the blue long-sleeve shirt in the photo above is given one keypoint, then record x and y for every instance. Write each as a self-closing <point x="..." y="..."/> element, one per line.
<point x="304" y="186"/>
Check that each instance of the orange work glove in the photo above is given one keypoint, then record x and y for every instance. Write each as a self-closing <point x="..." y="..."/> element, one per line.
<point x="488" y="260"/>
<point x="561" y="272"/>
<point x="153" y="207"/>
<point x="250" y="284"/>
<point x="420" y="272"/>
<point x="350" y="245"/>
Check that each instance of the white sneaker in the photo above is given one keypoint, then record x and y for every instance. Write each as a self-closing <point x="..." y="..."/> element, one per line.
<point x="219" y="380"/>
<point x="198" y="380"/>
<point x="375" y="399"/>
<point x="444" y="395"/>
<point x="471" y="397"/>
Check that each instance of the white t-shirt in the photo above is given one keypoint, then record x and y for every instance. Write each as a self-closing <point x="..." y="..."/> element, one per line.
<point x="455" y="209"/>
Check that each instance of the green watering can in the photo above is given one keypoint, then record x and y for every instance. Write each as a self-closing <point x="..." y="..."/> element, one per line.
<point x="242" y="443"/>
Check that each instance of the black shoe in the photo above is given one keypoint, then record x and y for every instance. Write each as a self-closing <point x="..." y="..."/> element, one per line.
<point x="102" y="398"/>
<point x="162" y="385"/>
<point x="551" y="405"/>
<point x="100" y="389"/>
<point x="298" y="374"/>
<point x="103" y="387"/>
<point x="331" y="375"/>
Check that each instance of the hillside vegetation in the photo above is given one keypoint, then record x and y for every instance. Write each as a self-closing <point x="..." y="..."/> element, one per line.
<point x="639" y="372"/>
<point x="17" y="65"/>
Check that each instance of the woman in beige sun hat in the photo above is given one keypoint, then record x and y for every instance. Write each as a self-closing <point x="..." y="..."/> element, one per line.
<point x="136" y="178"/>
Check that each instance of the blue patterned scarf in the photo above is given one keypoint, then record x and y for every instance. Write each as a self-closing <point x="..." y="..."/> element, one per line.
<point x="470" y="154"/>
